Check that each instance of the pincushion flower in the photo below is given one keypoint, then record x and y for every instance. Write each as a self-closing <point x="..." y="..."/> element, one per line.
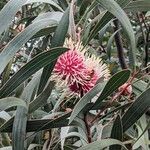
<point x="77" y="71"/>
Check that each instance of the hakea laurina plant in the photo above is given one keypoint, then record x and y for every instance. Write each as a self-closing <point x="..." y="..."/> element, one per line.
<point x="78" y="71"/>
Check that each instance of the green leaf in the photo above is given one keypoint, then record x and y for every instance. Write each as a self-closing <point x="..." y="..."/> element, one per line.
<point x="51" y="2"/>
<point x="139" y="86"/>
<point x="142" y="141"/>
<point x="61" y="31"/>
<point x="118" y="12"/>
<point x="63" y="4"/>
<point x="63" y="134"/>
<point x="137" y="6"/>
<point x="9" y="102"/>
<point x="29" y="91"/>
<point x="15" y="44"/>
<point x="83" y="6"/>
<point x="87" y="12"/>
<point x="52" y="15"/>
<point x="44" y="32"/>
<point x="85" y="100"/>
<point x="57" y="40"/>
<point x="6" y="73"/>
<point x="115" y="110"/>
<point x="39" y="125"/>
<point x="33" y="146"/>
<point x="76" y="134"/>
<point x="117" y="133"/>
<point x="102" y="31"/>
<point x="147" y="14"/>
<point x="4" y="115"/>
<point x="109" y="43"/>
<point x="6" y="148"/>
<point x="8" y="12"/>
<point x="30" y="68"/>
<point x="41" y="98"/>
<point x="72" y="27"/>
<point x="99" y="145"/>
<point x="7" y="124"/>
<point x="42" y="124"/>
<point x="20" y="120"/>
<point x="113" y="84"/>
<point x="104" y="20"/>
<point x="143" y="132"/>
<point x="136" y="110"/>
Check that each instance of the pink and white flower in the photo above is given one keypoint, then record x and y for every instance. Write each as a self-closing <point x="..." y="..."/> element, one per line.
<point x="77" y="71"/>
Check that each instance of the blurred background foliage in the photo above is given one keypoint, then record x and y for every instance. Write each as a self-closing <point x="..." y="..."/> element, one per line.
<point x="35" y="114"/>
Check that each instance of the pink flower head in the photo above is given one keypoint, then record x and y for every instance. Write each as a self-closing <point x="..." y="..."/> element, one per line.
<point x="69" y="65"/>
<point x="79" y="73"/>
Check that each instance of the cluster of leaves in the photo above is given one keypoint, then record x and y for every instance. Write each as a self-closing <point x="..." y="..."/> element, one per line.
<point x="34" y="115"/>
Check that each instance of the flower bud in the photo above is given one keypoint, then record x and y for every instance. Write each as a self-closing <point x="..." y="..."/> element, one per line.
<point x="126" y="89"/>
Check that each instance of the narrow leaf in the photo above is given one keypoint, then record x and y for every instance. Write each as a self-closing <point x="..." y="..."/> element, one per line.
<point x="57" y="40"/>
<point x="113" y="84"/>
<point x="42" y="124"/>
<point x="30" y="68"/>
<point x="6" y="148"/>
<point x="51" y="2"/>
<point x="109" y="43"/>
<point x="136" y="110"/>
<point x="118" y="12"/>
<point x="137" y="6"/>
<point x="15" y="44"/>
<point x="20" y="119"/>
<point x="9" y="102"/>
<point x="63" y="4"/>
<point x="104" y="20"/>
<point x="8" y="12"/>
<point x="102" y="31"/>
<point x="117" y="133"/>
<point x="85" y="100"/>
<point x="41" y="99"/>
<point x="98" y="145"/>
<point x="61" y="31"/>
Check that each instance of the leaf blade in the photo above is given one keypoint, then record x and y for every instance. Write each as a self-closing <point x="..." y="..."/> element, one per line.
<point x="114" y="8"/>
<point x="113" y="84"/>
<point x="15" y="44"/>
<point x="30" y="68"/>
<point x="117" y="133"/>
<point x="8" y="13"/>
<point x="57" y="40"/>
<point x="9" y="102"/>
<point x="142" y="103"/>
<point x="102" y="144"/>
